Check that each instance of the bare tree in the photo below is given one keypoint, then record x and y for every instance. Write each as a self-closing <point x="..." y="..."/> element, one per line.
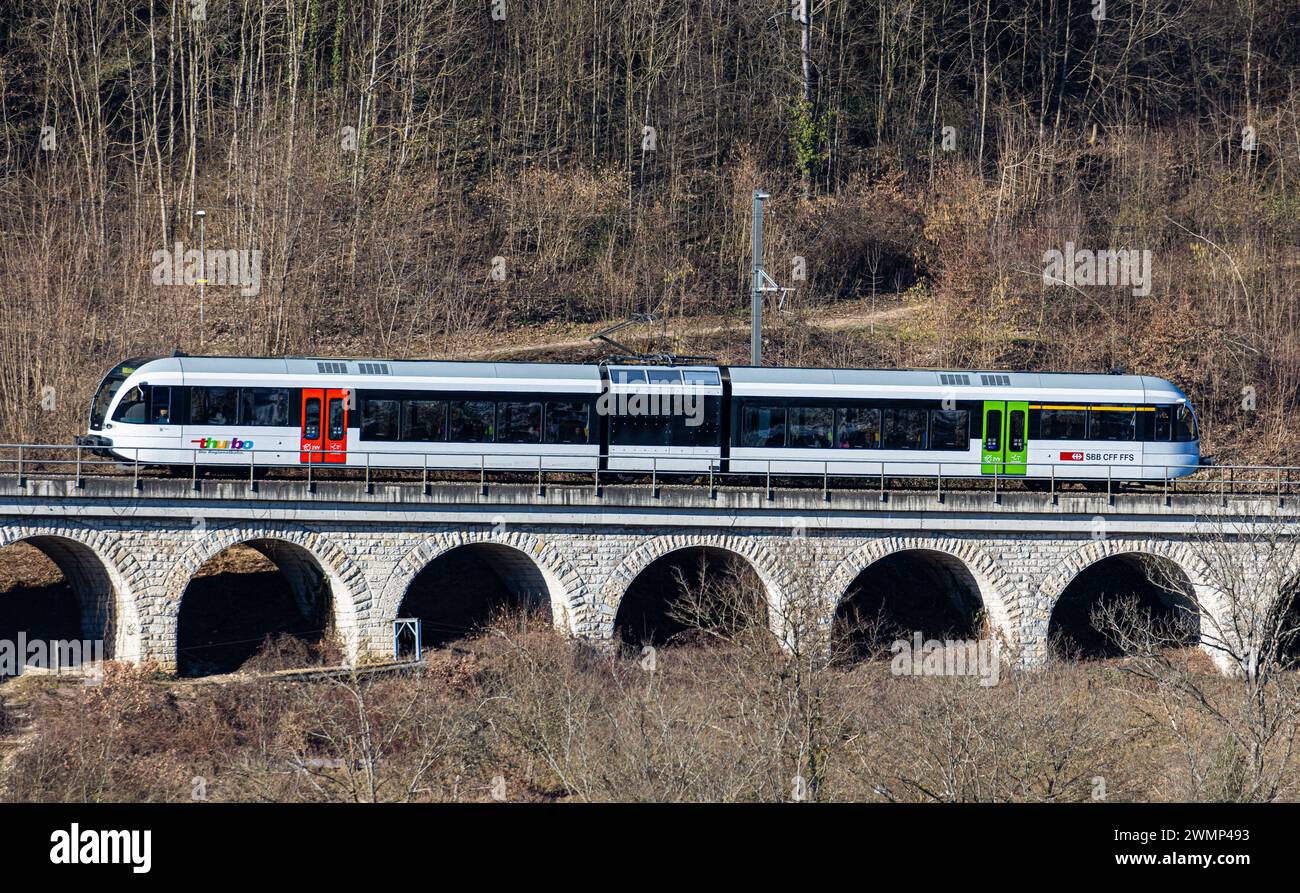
<point x="1246" y="609"/>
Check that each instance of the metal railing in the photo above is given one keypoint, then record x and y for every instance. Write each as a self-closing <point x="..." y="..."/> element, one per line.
<point x="21" y="462"/>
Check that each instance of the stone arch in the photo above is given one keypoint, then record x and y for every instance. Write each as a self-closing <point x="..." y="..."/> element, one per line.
<point x="995" y="587"/>
<point x="298" y="554"/>
<point x="566" y="590"/>
<point x="1053" y="586"/>
<point x="776" y="582"/>
<point x="101" y="570"/>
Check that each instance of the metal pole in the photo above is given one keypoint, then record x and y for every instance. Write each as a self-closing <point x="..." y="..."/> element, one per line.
<point x="203" y="272"/>
<point x="756" y="306"/>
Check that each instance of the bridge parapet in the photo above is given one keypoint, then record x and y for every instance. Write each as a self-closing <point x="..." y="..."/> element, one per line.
<point x="413" y="503"/>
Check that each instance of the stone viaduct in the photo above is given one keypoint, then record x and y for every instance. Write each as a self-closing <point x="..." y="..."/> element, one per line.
<point x="130" y="550"/>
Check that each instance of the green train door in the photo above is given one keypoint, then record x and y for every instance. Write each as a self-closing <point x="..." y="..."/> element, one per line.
<point x="1004" y="448"/>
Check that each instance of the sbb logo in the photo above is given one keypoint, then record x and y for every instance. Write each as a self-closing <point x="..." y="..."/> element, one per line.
<point x="1071" y="457"/>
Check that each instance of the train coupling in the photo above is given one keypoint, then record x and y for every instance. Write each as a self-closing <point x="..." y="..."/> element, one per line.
<point x="100" y="445"/>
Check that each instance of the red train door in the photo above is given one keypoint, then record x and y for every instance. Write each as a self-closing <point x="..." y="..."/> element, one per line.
<point x="324" y="425"/>
<point x="336" y="425"/>
<point x="313" y="410"/>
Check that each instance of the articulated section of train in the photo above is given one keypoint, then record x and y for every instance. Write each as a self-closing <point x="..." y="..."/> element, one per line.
<point x="294" y="411"/>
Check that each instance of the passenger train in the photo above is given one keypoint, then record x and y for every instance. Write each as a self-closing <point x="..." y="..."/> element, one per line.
<point x="294" y="411"/>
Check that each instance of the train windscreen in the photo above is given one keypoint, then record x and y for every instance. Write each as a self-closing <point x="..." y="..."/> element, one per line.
<point x="108" y="390"/>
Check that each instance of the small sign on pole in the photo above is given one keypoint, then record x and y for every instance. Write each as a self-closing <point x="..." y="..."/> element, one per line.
<point x="406" y="638"/>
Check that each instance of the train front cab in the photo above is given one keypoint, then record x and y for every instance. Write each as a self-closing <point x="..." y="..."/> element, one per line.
<point x="108" y="411"/>
<point x="1175" y="450"/>
<point x="1089" y="441"/>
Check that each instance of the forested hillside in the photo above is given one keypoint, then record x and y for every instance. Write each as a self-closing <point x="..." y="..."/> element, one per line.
<point x="420" y="176"/>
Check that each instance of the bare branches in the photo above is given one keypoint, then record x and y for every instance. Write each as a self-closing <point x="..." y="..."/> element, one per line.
<point x="1246" y="607"/>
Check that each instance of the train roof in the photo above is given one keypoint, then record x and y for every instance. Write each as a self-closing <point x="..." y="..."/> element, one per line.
<point x="378" y="374"/>
<point x="745" y="379"/>
<point x="440" y="368"/>
<point x="936" y="378"/>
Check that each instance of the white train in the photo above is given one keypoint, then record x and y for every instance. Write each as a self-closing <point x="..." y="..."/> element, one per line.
<point x="448" y="415"/>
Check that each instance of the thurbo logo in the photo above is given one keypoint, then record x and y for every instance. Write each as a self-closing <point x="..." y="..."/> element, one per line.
<point x="212" y="443"/>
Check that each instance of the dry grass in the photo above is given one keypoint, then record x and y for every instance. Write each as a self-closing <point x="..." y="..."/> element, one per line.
<point x="537" y="716"/>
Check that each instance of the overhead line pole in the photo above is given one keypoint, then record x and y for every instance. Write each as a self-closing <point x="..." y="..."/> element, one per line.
<point x="756" y="306"/>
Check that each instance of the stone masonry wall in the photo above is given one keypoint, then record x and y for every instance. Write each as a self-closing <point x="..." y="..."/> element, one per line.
<point x="146" y="566"/>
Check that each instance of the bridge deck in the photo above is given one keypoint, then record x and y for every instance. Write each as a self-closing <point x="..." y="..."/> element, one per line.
<point x="406" y="504"/>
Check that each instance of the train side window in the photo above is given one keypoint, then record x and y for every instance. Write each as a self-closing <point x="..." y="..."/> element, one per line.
<point x="857" y="428"/>
<point x="1145" y="421"/>
<point x="1063" y="424"/>
<point x="949" y="429"/>
<point x="379" y="419"/>
<point x="701" y="377"/>
<point x="311" y="419"/>
<point x="472" y="421"/>
<point x="1162" y="424"/>
<point x="160" y="405"/>
<point x="424" y="421"/>
<point x="993" y="431"/>
<point x="519" y="423"/>
<point x="264" y="407"/>
<point x="1184" y="424"/>
<point x="1016" y="431"/>
<point x="811" y="426"/>
<point x="664" y="376"/>
<point x="904" y="429"/>
<point x="1111" y="424"/>
<point x="214" y="406"/>
<point x="567" y="422"/>
<point x="337" y="416"/>
<point x="763" y="426"/>
<point x="133" y="408"/>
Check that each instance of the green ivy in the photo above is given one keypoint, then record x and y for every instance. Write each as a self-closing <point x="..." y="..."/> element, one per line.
<point x="811" y="137"/>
